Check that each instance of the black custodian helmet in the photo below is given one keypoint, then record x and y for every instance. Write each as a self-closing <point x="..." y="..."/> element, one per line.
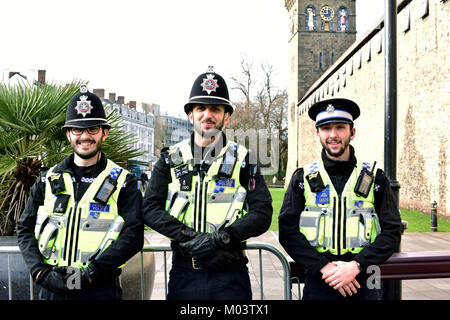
<point x="209" y="88"/>
<point x="85" y="110"/>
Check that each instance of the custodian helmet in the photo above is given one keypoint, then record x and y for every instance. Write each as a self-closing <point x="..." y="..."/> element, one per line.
<point x="85" y="110"/>
<point x="209" y="88"/>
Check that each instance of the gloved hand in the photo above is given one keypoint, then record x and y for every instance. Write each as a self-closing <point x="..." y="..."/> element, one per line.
<point x="206" y="243"/>
<point x="221" y="259"/>
<point x="77" y="279"/>
<point x="187" y="234"/>
<point x="53" y="279"/>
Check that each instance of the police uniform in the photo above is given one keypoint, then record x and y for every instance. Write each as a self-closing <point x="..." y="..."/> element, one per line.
<point x="208" y="205"/>
<point x="338" y="211"/>
<point x="81" y="224"/>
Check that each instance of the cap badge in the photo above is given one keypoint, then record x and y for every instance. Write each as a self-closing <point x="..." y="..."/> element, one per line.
<point x="209" y="84"/>
<point x="84" y="106"/>
<point x="330" y="108"/>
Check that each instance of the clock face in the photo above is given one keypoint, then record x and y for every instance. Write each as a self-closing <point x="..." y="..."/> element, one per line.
<point x="327" y="13"/>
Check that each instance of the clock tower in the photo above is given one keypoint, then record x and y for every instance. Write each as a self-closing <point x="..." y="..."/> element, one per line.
<point x="320" y="32"/>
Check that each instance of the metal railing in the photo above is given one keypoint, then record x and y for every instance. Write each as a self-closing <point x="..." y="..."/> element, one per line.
<point x="260" y="246"/>
<point x="8" y="250"/>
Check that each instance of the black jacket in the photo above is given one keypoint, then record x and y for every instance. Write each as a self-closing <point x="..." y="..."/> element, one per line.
<point x="254" y="223"/>
<point x="298" y="247"/>
<point x="131" y="237"/>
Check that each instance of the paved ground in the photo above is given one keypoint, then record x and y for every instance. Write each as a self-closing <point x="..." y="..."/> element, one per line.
<point x="427" y="289"/>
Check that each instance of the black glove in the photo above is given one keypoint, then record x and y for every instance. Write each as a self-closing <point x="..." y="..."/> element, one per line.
<point x="221" y="259"/>
<point x="53" y="279"/>
<point x="187" y="234"/>
<point x="206" y="243"/>
<point x="82" y="278"/>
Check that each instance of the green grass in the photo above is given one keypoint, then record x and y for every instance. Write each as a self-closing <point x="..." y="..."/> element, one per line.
<point x="277" y="201"/>
<point x="417" y="221"/>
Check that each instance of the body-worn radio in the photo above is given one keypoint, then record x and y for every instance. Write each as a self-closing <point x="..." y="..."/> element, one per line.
<point x="364" y="182"/>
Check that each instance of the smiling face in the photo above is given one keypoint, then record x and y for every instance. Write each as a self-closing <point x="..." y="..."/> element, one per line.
<point x="86" y="143"/>
<point x="208" y="121"/>
<point x="335" y="139"/>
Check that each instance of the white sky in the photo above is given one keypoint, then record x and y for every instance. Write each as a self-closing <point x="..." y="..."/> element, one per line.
<point x="150" y="50"/>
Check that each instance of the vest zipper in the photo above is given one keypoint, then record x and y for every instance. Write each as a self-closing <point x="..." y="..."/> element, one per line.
<point x="333" y="235"/>
<point x="72" y="224"/>
<point x="344" y="218"/>
<point x="65" y="248"/>
<point x="200" y="213"/>
<point x="339" y="226"/>
<point x="194" y="226"/>
<point x="77" y="218"/>
<point x="205" y="200"/>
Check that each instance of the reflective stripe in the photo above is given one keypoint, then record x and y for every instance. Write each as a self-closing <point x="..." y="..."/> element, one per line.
<point x="95" y="225"/>
<point x="83" y="229"/>
<point x="226" y="197"/>
<point x="212" y="203"/>
<point x="350" y="226"/>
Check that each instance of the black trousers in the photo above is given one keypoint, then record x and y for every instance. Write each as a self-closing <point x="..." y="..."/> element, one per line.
<point x="186" y="283"/>
<point x="316" y="289"/>
<point x="109" y="290"/>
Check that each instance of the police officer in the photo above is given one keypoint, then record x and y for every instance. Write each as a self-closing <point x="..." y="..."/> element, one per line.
<point x="207" y="197"/>
<point x="82" y="220"/>
<point x="339" y="215"/>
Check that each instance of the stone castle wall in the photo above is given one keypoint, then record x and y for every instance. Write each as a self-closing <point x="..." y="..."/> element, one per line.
<point x="423" y="165"/>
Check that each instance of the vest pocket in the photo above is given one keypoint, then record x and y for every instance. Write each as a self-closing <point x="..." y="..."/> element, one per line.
<point x="362" y="227"/>
<point x="48" y="239"/>
<point x="313" y="224"/>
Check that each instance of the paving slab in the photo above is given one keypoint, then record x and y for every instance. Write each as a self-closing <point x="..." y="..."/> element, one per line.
<point x="424" y="289"/>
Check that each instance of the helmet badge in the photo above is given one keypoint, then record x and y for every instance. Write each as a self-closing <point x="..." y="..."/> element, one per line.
<point x="84" y="106"/>
<point x="330" y="108"/>
<point x="209" y="84"/>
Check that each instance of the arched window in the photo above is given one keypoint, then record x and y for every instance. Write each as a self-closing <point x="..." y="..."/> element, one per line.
<point x="342" y="19"/>
<point x="310" y="18"/>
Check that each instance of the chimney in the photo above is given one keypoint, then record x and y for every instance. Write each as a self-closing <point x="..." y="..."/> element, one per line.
<point x="100" y="93"/>
<point x="132" y="104"/>
<point x="41" y="76"/>
<point x="112" y="97"/>
<point x="121" y="99"/>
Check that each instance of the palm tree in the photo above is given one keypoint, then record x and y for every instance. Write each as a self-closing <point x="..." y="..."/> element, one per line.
<point x="31" y="118"/>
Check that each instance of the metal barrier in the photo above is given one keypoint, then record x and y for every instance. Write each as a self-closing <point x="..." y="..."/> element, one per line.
<point x="249" y="246"/>
<point x="8" y="250"/>
<point x="166" y="248"/>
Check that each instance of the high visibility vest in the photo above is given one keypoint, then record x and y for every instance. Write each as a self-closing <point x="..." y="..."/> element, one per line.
<point x="338" y="223"/>
<point x="210" y="202"/>
<point x="71" y="233"/>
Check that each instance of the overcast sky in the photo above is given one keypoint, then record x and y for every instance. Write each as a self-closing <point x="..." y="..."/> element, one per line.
<point x="152" y="50"/>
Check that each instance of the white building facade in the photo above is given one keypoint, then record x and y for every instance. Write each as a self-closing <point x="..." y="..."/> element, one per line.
<point x="141" y="125"/>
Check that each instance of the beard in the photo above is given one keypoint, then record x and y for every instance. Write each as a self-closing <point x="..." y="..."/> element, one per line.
<point x="86" y="154"/>
<point x="209" y="133"/>
<point x="344" y="145"/>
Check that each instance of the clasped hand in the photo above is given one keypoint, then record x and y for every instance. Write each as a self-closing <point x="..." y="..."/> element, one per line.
<point x="341" y="276"/>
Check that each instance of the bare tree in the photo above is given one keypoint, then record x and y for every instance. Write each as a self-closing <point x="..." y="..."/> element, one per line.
<point x="266" y="110"/>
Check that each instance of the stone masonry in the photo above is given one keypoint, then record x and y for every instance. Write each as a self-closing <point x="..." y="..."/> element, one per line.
<point x="423" y="166"/>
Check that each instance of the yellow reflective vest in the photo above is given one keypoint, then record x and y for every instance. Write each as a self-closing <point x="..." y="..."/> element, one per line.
<point x="71" y="233"/>
<point x="209" y="201"/>
<point x="338" y="223"/>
